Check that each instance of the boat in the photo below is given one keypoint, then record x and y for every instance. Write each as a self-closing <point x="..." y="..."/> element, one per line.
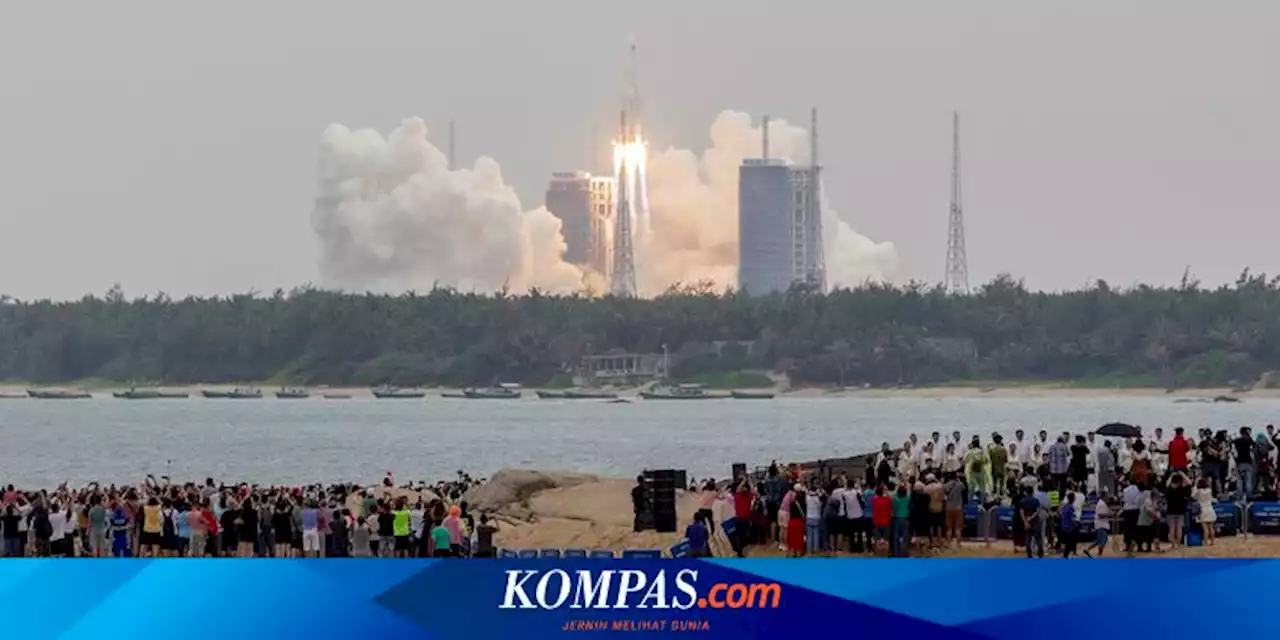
<point x="578" y="394"/>
<point x="752" y="395"/>
<point x="456" y="395"/>
<point x="292" y="393"/>
<point x="504" y="391"/>
<point x="337" y="396"/>
<point x="590" y="394"/>
<point x="239" y="393"/>
<point x="59" y="394"/>
<point x="386" y="392"/>
<point x="6" y="395"/>
<point x="681" y="392"/>
<point x="149" y="394"/>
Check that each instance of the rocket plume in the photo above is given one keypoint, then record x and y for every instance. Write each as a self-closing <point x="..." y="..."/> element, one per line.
<point x="694" y="200"/>
<point x="391" y="216"/>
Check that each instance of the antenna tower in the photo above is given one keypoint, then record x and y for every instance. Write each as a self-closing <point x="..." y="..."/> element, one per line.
<point x="817" y="271"/>
<point x="957" y="277"/>
<point x="622" y="281"/>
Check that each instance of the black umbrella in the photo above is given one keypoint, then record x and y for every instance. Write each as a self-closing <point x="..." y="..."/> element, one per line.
<point x="1120" y="430"/>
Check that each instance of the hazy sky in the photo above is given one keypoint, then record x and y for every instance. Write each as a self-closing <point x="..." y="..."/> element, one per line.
<point x="172" y="145"/>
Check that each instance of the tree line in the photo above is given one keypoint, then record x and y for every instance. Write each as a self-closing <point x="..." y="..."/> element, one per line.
<point x="878" y="335"/>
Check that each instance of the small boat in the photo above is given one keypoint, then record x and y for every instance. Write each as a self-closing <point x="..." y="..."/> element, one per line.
<point x="239" y="393"/>
<point x="504" y="391"/>
<point x="456" y="395"/>
<point x="292" y="393"/>
<point x="681" y="392"/>
<point x="337" y="396"/>
<point x="12" y="395"/>
<point x="149" y="394"/>
<point x="752" y="395"/>
<point x="397" y="393"/>
<point x="551" y="395"/>
<point x="590" y="394"/>
<point x="59" y="394"/>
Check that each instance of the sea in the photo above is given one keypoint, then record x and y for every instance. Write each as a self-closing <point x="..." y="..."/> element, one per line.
<point x="270" y="441"/>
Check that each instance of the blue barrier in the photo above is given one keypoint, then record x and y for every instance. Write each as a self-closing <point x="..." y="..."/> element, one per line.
<point x="729" y="527"/>
<point x="1264" y="518"/>
<point x="507" y="553"/>
<point x="601" y="554"/>
<point x="549" y="553"/>
<point x="681" y="549"/>
<point x="527" y="554"/>
<point x="575" y="553"/>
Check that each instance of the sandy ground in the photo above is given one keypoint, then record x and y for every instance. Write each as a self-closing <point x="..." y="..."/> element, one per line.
<point x="597" y="515"/>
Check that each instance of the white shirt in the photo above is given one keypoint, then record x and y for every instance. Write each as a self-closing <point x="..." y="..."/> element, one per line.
<point x="58" y="525"/>
<point x="813" y="507"/>
<point x="1132" y="497"/>
<point x="1025" y="452"/>
<point x="416" y="517"/>
<point x="1102" y="516"/>
<point x="852" y="508"/>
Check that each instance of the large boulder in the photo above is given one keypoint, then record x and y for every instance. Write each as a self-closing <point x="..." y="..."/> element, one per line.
<point x="508" y="491"/>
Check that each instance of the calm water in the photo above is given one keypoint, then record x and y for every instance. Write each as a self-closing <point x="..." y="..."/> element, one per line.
<point x="273" y="441"/>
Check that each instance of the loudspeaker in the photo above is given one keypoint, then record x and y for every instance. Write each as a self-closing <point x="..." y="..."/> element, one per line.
<point x="664" y="522"/>
<point x="739" y="470"/>
<point x="682" y="479"/>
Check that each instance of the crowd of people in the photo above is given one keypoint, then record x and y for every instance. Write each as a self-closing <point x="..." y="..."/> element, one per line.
<point x="1156" y="489"/>
<point x="158" y="519"/>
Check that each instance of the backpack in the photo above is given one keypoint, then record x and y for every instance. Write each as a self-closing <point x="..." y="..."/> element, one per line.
<point x="168" y="526"/>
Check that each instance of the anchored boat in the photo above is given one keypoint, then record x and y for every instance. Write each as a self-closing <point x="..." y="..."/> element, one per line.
<point x="149" y="394"/>
<point x="239" y="393"/>
<point x="396" y="393"/>
<point x="578" y="394"/>
<point x="59" y="394"/>
<point x="752" y="395"/>
<point x="505" y="391"/>
<point x="681" y="392"/>
<point x="292" y="393"/>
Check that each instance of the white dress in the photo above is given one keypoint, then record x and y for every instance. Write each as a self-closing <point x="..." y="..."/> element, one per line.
<point x="1204" y="497"/>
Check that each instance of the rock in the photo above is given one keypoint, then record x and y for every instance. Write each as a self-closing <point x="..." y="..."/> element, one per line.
<point x="509" y="490"/>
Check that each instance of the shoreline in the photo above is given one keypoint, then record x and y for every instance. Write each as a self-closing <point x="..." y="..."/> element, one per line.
<point x="1047" y="390"/>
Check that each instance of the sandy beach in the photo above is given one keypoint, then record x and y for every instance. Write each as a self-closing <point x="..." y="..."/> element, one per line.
<point x="595" y="513"/>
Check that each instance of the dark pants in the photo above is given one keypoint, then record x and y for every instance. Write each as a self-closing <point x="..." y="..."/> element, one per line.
<point x="1129" y="520"/>
<point x="742" y="535"/>
<point x="709" y="518"/>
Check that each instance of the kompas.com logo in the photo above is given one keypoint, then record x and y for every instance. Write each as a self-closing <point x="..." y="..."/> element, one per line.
<point x="631" y="589"/>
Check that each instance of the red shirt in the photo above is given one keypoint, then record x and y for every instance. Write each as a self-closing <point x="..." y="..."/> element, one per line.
<point x="1178" y="447"/>
<point x="881" y="510"/>
<point x="742" y="504"/>
<point x="210" y="522"/>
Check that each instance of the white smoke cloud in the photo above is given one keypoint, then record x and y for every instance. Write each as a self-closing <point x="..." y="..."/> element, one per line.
<point x="391" y="216"/>
<point x="694" y="206"/>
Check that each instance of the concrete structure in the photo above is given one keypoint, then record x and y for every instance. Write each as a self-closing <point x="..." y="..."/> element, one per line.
<point x="764" y="226"/>
<point x="584" y="204"/>
<point x="780" y="221"/>
<point x="621" y="369"/>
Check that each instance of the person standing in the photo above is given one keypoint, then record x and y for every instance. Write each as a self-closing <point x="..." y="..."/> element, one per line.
<point x="1203" y="495"/>
<point x="1244" y="449"/>
<point x="1179" y="450"/>
<point x="1106" y="469"/>
<point x="954" y="492"/>
<point x="1177" y="500"/>
<point x="1059" y="463"/>
<point x="999" y="456"/>
<point x="1029" y="512"/>
<point x="900" y="533"/>
<point x="1079" y="465"/>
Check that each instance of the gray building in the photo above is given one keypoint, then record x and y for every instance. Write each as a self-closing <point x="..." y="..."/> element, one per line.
<point x="779" y="227"/>
<point x="765" y="254"/>
<point x="583" y="203"/>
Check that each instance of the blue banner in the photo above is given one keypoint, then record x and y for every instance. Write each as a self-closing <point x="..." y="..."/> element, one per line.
<point x="528" y="599"/>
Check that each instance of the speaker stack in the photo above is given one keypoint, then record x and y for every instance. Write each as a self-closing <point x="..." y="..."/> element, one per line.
<point x="662" y="498"/>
